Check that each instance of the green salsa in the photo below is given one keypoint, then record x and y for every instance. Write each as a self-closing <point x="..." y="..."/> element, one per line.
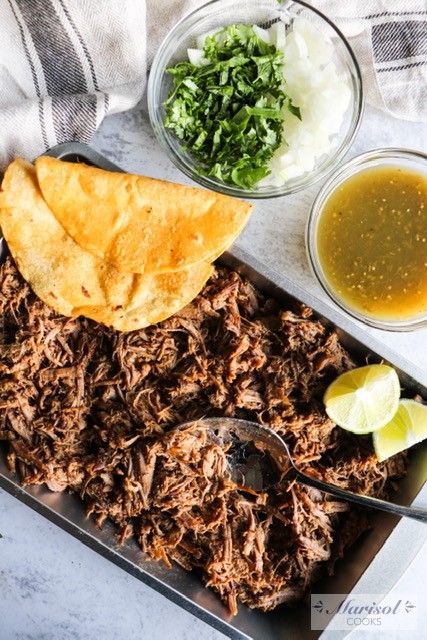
<point x="372" y="242"/>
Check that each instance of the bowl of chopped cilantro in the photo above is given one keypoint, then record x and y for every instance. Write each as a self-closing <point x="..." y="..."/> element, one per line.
<point x="255" y="98"/>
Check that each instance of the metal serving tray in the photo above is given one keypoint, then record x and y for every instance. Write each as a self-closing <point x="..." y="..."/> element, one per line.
<point x="373" y="565"/>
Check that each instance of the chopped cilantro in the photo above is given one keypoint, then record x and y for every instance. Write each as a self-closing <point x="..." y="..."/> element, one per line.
<point x="228" y="112"/>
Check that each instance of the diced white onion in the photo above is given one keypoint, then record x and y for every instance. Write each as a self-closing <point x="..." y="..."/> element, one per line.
<point x="196" y="57"/>
<point x="315" y="86"/>
<point x="278" y="35"/>
<point x="264" y="34"/>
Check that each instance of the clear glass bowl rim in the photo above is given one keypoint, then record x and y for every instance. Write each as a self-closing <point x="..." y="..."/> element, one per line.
<point x="345" y="171"/>
<point x="155" y="78"/>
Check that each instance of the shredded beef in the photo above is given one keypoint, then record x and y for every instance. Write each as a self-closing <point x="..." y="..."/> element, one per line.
<point x="89" y="409"/>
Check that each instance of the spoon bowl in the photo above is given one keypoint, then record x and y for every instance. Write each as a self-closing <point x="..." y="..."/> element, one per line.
<point x="259" y="458"/>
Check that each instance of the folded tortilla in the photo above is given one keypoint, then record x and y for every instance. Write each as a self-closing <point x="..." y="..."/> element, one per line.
<point x="139" y="224"/>
<point x="71" y="280"/>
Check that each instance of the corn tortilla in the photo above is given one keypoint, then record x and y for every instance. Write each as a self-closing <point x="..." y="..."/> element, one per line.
<point x="69" y="279"/>
<point x="139" y="224"/>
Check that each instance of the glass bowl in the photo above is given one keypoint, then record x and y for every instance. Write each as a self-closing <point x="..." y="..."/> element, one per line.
<point x="402" y="158"/>
<point x="215" y="15"/>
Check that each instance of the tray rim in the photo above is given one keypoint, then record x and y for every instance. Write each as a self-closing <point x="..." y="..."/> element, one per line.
<point x="404" y="530"/>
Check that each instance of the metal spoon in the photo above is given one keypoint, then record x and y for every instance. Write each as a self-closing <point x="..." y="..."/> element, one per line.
<point x="251" y="449"/>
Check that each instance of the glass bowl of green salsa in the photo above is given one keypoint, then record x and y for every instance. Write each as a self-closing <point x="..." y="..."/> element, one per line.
<point x="366" y="238"/>
<point x="255" y="98"/>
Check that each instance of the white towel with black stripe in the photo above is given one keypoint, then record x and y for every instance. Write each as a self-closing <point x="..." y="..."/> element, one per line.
<point x="389" y="38"/>
<point x="66" y="64"/>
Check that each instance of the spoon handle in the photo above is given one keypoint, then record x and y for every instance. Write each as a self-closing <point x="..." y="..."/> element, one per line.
<point x="416" y="513"/>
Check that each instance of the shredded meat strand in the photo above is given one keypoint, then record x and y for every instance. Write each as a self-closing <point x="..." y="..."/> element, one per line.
<point x="89" y="410"/>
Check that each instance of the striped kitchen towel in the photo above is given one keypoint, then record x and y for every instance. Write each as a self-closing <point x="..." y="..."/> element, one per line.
<point x="65" y="65"/>
<point x="389" y="38"/>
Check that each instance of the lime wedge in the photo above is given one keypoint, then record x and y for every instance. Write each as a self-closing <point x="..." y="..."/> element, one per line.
<point x="365" y="399"/>
<point x="406" y="428"/>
